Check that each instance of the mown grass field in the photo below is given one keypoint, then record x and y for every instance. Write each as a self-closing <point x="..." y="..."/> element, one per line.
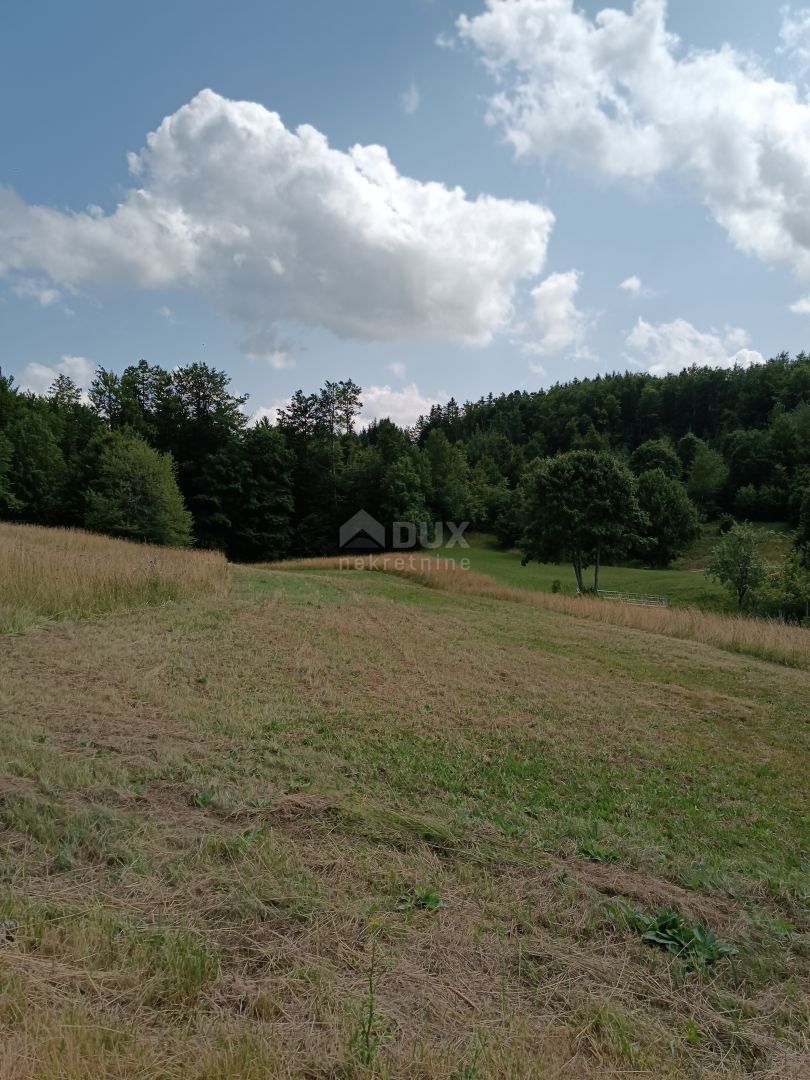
<point x="684" y="583"/>
<point x="338" y="824"/>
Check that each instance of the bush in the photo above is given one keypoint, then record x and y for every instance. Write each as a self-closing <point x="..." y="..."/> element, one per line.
<point x="135" y="494"/>
<point x="737" y="564"/>
<point x="673" y="519"/>
<point x="656" y="454"/>
<point x="765" y="503"/>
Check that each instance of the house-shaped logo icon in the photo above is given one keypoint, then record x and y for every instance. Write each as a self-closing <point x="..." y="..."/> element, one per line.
<point x="362" y="533"/>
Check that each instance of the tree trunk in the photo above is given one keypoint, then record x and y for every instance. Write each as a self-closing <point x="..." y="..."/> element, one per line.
<point x="577" y="560"/>
<point x="596" y="573"/>
<point x="334" y="472"/>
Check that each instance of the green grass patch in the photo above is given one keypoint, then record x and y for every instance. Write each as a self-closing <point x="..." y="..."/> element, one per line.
<point x="680" y="586"/>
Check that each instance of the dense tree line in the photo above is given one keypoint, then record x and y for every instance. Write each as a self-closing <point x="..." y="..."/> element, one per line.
<point x="170" y="456"/>
<point x="738" y="439"/>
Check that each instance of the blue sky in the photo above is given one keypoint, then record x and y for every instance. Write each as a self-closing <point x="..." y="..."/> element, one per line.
<point x="678" y="169"/>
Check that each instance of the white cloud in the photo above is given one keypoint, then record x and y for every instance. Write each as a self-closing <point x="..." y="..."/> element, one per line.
<point x="633" y="285"/>
<point x="801" y="307"/>
<point x="560" y="323"/>
<point x="619" y="95"/>
<point x="397" y="368"/>
<point x="409" y="100"/>
<point x="268" y="412"/>
<point x="166" y="313"/>
<point x="403" y="406"/>
<point x="30" y="288"/>
<point x="38" y="378"/>
<point x="273" y="225"/>
<point x="674" y="346"/>
<point x="536" y="369"/>
<point x="266" y="346"/>
<point x="795" y="35"/>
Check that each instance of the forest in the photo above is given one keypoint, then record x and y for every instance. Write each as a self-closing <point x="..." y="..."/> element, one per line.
<point x="170" y="457"/>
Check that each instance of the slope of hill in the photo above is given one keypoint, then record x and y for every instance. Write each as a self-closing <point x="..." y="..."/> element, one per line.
<point x="341" y="824"/>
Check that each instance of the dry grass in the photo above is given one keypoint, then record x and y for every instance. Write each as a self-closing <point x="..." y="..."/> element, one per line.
<point x="211" y="811"/>
<point x="766" y="639"/>
<point x="55" y="574"/>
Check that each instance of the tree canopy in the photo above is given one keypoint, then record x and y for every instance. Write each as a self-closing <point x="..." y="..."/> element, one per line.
<point x="580" y="507"/>
<point x="719" y="442"/>
<point x="134" y="493"/>
<point x="737" y="563"/>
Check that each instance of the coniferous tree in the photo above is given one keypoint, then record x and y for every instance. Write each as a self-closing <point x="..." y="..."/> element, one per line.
<point x="38" y="473"/>
<point x="9" y="504"/>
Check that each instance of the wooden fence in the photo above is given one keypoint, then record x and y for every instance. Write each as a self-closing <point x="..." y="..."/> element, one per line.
<point x="640" y="599"/>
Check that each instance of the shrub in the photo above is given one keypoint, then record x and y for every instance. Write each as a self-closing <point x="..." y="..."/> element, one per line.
<point x="135" y="494"/>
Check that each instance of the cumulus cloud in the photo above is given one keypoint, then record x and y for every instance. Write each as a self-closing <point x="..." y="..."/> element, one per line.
<point x="268" y="412"/>
<point x="273" y="225"/>
<point x="633" y="285"/>
<point x="403" y="406"/>
<point x="410" y="99"/>
<point x="801" y="307"/>
<point x="794" y="34"/>
<point x="620" y="95"/>
<point x="668" y="348"/>
<point x="38" y="378"/>
<point x="560" y="323"/>
<point x="267" y="347"/>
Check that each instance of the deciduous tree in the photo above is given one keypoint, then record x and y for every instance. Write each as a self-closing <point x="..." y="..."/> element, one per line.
<point x="673" y="520"/>
<point x="737" y="564"/>
<point x="135" y="493"/>
<point x="582" y="507"/>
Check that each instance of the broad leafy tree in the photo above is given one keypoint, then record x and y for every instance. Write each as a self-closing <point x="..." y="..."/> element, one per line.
<point x="737" y="563"/>
<point x="707" y="476"/>
<point x="803" y="533"/>
<point x="656" y="454"/>
<point x="580" y="507"/>
<point x="134" y="493"/>
<point x="673" y="522"/>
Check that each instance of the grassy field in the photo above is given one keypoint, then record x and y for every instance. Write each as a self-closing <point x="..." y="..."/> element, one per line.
<point x="685" y="583"/>
<point x="679" y="586"/>
<point x="57" y="574"/>
<point x="765" y="639"/>
<point x="334" y="824"/>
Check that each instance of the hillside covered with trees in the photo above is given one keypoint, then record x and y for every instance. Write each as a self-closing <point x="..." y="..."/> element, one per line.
<point x="170" y="457"/>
